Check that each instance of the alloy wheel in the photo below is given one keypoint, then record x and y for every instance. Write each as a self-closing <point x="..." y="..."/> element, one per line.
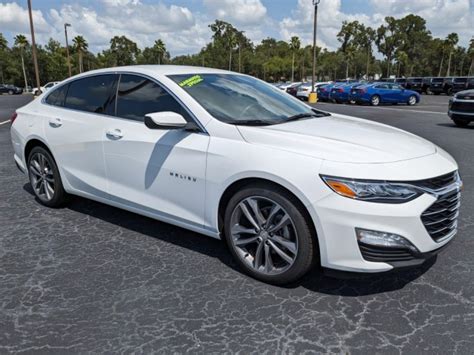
<point x="264" y="235"/>
<point x="375" y="100"/>
<point x="41" y="177"/>
<point x="412" y="100"/>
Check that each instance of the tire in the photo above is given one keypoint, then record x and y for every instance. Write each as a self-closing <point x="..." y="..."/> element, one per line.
<point x="411" y="100"/>
<point x="45" y="179"/>
<point x="295" y="238"/>
<point x="460" y="122"/>
<point x="10" y="92"/>
<point x="436" y="93"/>
<point x="375" y="100"/>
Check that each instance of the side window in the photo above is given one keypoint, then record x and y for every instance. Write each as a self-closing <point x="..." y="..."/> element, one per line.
<point x="138" y="96"/>
<point x="382" y="86"/>
<point x="93" y="94"/>
<point x="57" y="96"/>
<point x="396" y="87"/>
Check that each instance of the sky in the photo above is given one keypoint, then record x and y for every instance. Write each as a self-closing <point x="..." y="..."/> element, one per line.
<point x="183" y="24"/>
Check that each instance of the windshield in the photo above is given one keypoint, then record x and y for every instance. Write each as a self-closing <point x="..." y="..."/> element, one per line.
<point x="460" y="80"/>
<point x="239" y="99"/>
<point x="437" y="80"/>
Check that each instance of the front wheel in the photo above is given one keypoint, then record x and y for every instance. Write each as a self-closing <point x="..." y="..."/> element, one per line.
<point x="268" y="234"/>
<point x="10" y="92"/>
<point x="412" y="100"/>
<point x="375" y="100"/>
<point x="44" y="178"/>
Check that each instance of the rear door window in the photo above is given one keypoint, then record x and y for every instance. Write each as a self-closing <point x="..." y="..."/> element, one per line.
<point x="93" y="94"/>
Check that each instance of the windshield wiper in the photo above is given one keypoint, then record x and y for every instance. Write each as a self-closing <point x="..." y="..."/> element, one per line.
<point x="251" y="123"/>
<point x="300" y="116"/>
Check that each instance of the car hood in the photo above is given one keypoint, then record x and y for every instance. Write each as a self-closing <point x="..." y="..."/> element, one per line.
<point x="342" y="139"/>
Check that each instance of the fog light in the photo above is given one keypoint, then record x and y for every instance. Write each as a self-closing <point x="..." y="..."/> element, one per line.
<point x="382" y="239"/>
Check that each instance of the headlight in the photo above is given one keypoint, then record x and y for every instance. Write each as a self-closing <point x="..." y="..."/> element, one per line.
<point x="372" y="191"/>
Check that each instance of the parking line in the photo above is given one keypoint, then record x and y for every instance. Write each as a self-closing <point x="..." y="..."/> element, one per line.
<point x="404" y="110"/>
<point x="4" y="122"/>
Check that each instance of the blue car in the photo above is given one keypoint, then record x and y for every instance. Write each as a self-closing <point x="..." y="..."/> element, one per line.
<point x="323" y="91"/>
<point x="378" y="93"/>
<point x="341" y="93"/>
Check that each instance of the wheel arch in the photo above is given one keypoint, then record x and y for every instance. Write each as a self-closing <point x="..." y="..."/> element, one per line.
<point x="246" y="181"/>
<point x="35" y="142"/>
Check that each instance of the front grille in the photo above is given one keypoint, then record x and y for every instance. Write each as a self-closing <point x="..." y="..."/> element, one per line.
<point x="436" y="183"/>
<point x="463" y="106"/>
<point x="440" y="219"/>
<point x="383" y="254"/>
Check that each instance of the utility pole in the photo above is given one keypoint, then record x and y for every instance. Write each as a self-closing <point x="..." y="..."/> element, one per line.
<point x="66" y="25"/>
<point x="312" y="96"/>
<point x="33" y="47"/>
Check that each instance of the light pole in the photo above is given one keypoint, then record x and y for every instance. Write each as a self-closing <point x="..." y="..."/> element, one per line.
<point x="313" y="98"/>
<point x="66" y="25"/>
<point x="33" y="47"/>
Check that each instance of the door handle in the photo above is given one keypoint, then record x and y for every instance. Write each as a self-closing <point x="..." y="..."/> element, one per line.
<point x="55" y="122"/>
<point x="114" y="134"/>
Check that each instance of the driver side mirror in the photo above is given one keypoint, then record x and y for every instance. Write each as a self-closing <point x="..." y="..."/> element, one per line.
<point x="165" y="120"/>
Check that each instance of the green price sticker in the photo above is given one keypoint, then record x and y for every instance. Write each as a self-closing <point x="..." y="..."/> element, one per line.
<point x="195" y="79"/>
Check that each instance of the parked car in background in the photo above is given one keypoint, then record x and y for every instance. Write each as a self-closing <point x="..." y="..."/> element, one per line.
<point x="284" y="86"/>
<point x="461" y="108"/>
<point x="401" y="81"/>
<point x="470" y="83"/>
<point x="341" y="93"/>
<point x="305" y="89"/>
<point x="460" y="84"/>
<point x="378" y="93"/>
<point x="425" y="86"/>
<point x="324" y="91"/>
<point x="10" y="89"/>
<point x="46" y="87"/>
<point x="415" y="84"/>
<point x="293" y="89"/>
<point x="437" y="85"/>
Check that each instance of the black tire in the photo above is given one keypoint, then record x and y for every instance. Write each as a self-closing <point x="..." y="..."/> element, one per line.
<point x="307" y="251"/>
<point x="375" y="100"/>
<point x="59" y="197"/>
<point x="436" y="93"/>
<point x="461" y="122"/>
<point x="10" y="92"/>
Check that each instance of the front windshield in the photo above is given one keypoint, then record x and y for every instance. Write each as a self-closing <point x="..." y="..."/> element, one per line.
<point x="239" y="99"/>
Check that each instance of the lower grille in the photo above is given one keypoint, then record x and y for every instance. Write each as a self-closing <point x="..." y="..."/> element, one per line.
<point x="382" y="254"/>
<point x="440" y="219"/>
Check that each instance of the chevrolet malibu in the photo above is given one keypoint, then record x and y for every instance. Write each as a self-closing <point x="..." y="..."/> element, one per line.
<point x="229" y="156"/>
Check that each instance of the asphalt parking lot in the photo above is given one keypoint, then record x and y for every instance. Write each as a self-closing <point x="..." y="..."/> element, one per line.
<point x="93" y="278"/>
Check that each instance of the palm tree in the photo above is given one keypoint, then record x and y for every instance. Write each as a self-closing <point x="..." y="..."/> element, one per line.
<point x="80" y="45"/>
<point x="160" y="48"/>
<point x="21" y="42"/>
<point x="451" y="42"/>
<point x="232" y="41"/>
<point x="295" y="45"/>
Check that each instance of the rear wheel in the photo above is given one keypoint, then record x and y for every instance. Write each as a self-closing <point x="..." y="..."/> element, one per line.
<point x="268" y="234"/>
<point x="44" y="178"/>
<point x="412" y="100"/>
<point x="460" y="122"/>
<point x="375" y="100"/>
<point x="10" y="92"/>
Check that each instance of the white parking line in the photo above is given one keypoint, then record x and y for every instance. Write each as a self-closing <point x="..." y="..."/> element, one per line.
<point x="399" y="109"/>
<point x="4" y="122"/>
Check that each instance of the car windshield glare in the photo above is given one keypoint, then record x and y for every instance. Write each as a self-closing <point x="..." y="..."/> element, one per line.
<point x="241" y="99"/>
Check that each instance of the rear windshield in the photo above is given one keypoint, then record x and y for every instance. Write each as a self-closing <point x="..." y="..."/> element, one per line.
<point x="437" y="80"/>
<point x="460" y="80"/>
<point x="417" y="80"/>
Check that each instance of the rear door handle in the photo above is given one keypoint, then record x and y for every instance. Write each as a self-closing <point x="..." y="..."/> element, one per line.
<point x="55" y="122"/>
<point x="114" y="134"/>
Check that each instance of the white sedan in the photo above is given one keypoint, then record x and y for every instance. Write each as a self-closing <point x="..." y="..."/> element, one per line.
<point x="229" y="156"/>
<point x="46" y="87"/>
<point x="305" y="89"/>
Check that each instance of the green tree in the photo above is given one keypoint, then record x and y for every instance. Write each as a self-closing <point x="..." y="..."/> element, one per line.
<point x="451" y="41"/>
<point x="123" y="51"/>
<point x="80" y="46"/>
<point x="21" y="42"/>
<point x="387" y="40"/>
<point x="295" y="45"/>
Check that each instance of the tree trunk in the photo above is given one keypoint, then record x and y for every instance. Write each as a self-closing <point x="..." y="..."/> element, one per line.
<point x="347" y="69"/>
<point x="388" y="66"/>
<point x="81" y="68"/>
<point x="441" y="64"/>
<point x="230" y="59"/>
<point x="449" y="63"/>
<point x="368" y="63"/>
<point x="470" y="67"/>
<point x="293" y="68"/>
<point x="23" y="67"/>
<point x="240" y="60"/>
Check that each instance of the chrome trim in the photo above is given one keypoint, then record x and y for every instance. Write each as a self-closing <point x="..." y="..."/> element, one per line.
<point x="461" y="113"/>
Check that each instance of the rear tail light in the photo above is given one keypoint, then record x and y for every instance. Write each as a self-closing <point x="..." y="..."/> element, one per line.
<point x="13" y="118"/>
<point x="322" y="89"/>
<point x="340" y="90"/>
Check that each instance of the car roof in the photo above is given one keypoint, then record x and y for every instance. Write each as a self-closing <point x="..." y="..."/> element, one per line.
<point x="158" y="70"/>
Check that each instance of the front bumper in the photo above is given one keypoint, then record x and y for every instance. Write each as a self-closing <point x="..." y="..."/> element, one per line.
<point x="337" y="217"/>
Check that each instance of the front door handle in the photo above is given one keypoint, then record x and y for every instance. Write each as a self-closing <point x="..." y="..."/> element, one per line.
<point x="55" y="122"/>
<point x="114" y="134"/>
